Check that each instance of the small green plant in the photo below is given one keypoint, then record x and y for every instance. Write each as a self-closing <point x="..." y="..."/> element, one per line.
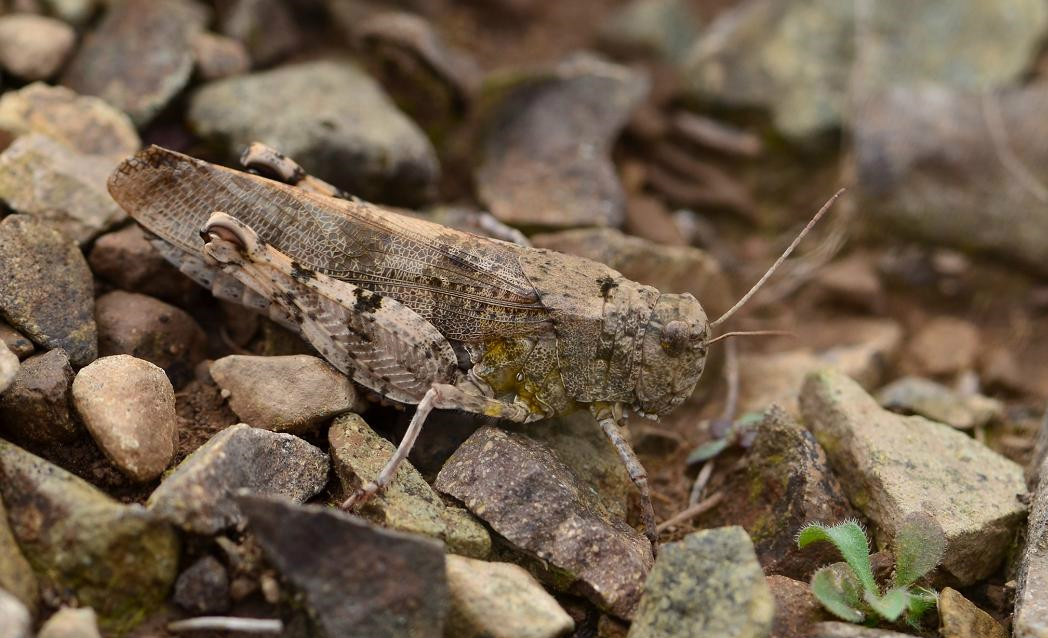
<point x="849" y="591"/>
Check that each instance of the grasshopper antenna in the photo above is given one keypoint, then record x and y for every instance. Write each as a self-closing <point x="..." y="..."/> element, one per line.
<point x="757" y="286"/>
<point x="752" y="333"/>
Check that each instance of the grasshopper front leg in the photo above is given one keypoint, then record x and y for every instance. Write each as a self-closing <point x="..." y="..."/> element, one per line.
<point x="610" y="416"/>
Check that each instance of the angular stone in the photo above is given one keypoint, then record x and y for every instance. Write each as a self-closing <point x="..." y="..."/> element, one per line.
<point x="945" y="345"/>
<point x="147" y="328"/>
<point x="84" y="123"/>
<point x="535" y="501"/>
<point x="266" y="27"/>
<point x="15" y="342"/>
<point x="960" y="618"/>
<point x="500" y="600"/>
<point x="203" y="588"/>
<point x="892" y="466"/>
<point x="777" y="377"/>
<point x="219" y="57"/>
<point x="51" y="182"/>
<point x="546" y="160"/>
<point x="782" y="483"/>
<point x="37" y="409"/>
<point x="46" y="292"/>
<point x="367" y="582"/>
<point x="707" y="585"/>
<point x="139" y="57"/>
<point x="118" y="559"/>
<point x="923" y="171"/>
<point x="8" y="367"/>
<point x="69" y="622"/>
<point x="284" y="394"/>
<point x="1030" y="619"/>
<point x="16" y="575"/>
<point x="198" y="495"/>
<point x="34" y="47"/>
<point x="837" y="629"/>
<point x="668" y="268"/>
<point x="796" y="608"/>
<point x="128" y="406"/>
<point x="663" y="29"/>
<point x="408" y="503"/>
<point x="15" y="620"/>
<point x="334" y="120"/>
<point x="795" y="58"/>
<point x="127" y="260"/>
<point x="916" y="395"/>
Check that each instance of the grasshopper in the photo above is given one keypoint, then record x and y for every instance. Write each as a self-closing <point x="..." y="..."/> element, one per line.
<point x="423" y="314"/>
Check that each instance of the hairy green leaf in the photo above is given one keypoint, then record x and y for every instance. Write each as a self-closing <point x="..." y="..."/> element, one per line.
<point x="850" y="540"/>
<point x="921" y="600"/>
<point x="891" y="605"/>
<point x="919" y="546"/>
<point x="836" y="588"/>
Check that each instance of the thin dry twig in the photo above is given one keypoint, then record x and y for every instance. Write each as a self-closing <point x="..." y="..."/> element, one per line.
<point x="228" y="623"/>
<point x="692" y="512"/>
<point x="715" y="135"/>
<point x="698" y="488"/>
<point x="991" y="111"/>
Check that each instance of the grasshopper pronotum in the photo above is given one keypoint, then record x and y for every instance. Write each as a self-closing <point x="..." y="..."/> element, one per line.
<point x="420" y="313"/>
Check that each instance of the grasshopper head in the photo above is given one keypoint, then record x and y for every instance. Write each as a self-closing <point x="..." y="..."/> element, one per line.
<point x="673" y="354"/>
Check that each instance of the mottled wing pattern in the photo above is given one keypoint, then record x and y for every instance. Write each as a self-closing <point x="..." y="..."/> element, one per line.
<point x="471" y="288"/>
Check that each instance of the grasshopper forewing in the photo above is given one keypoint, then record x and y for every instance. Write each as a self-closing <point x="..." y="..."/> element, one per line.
<point x="420" y="313"/>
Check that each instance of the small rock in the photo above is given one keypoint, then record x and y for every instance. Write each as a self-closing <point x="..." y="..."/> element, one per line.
<point x="37" y="408"/>
<point x="75" y="12"/>
<point x="668" y="268"/>
<point x="368" y="582"/>
<point x="15" y="342"/>
<point x="999" y="370"/>
<point x="535" y="501"/>
<point x="128" y="406"/>
<point x="284" y="394"/>
<point x="707" y="585"/>
<point x="662" y="29"/>
<point x="960" y="618"/>
<point x="266" y="27"/>
<point x="408" y="503"/>
<point x="126" y="259"/>
<point x="796" y="608"/>
<point x="34" y="47"/>
<point x="547" y="158"/>
<point x="8" y="367"/>
<point x="69" y="622"/>
<point x="1030" y="619"/>
<point x="198" y="495"/>
<point x="945" y="346"/>
<point x="118" y="559"/>
<point x="852" y="281"/>
<point x="15" y="620"/>
<point x="84" y="123"/>
<point x="500" y="600"/>
<point x="16" y="574"/>
<point x="892" y="466"/>
<point x="648" y="218"/>
<point x="835" y="629"/>
<point x="49" y="181"/>
<point x="334" y="120"/>
<point x="914" y="395"/>
<point x="203" y="588"/>
<point x="777" y="377"/>
<point x="782" y="483"/>
<point x="46" y="292"/>
<point x="923" y="173"/>
<point x="219" y="57"/>
<point x="139" y="57"/>
<point x="147" y="328"/>
<point x="796" y="58"/>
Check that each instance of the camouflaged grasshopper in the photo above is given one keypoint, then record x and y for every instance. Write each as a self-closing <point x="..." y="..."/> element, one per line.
<point x="420" y="313"/>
